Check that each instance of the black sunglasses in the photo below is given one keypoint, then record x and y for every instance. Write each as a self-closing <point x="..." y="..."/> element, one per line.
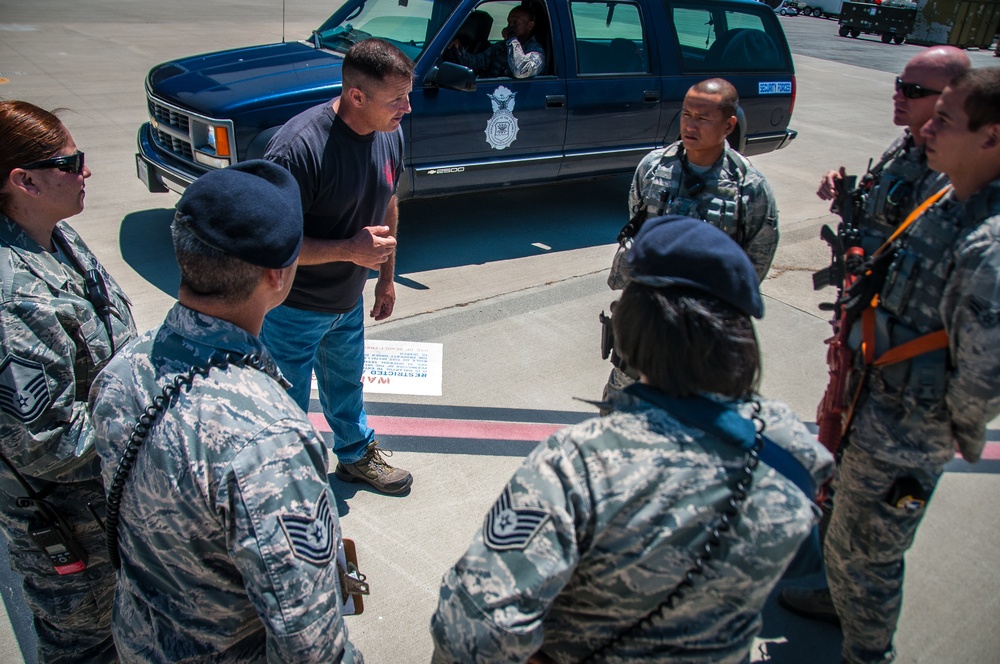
<point x="71" y="163"/>
<point x="914" y="91"/>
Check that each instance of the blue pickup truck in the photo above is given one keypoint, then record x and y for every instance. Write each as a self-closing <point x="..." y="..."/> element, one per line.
<point x="611" y="90"/>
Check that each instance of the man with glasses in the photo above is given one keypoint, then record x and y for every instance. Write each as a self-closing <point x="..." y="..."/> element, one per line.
<point x="899" y="182"/>
<point x="901" y="179"/>
<point x="930" y="319"/>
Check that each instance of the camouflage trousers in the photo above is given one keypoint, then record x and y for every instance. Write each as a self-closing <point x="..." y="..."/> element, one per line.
<point x="71" y="613"/>
<point x="864" y="547"/>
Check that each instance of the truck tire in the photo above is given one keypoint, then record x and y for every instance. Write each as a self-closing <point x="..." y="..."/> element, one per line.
<point x="807" y="11"/>
<point x="817" y="13"/>
<point x="844" y="31"/>
<point x="855" y="33"/>
<point x="886" y="37"/>
<point x="899" y="39"/>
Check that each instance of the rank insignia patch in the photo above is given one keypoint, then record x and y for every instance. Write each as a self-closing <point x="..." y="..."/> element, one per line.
<point x="311" y="538"/>
<point x="24" y="393"/>
<point x="508" y="528"/>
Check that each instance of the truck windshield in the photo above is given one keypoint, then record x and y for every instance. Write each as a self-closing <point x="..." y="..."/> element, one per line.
<point x="409" y="24"/>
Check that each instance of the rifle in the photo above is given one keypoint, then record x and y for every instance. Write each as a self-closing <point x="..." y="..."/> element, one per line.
<point x="847" y="258"/>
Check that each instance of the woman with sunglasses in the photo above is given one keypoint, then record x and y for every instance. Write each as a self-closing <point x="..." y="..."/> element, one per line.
<point x="61" y="319"/>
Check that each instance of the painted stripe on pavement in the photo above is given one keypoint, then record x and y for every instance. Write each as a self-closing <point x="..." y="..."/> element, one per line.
<point x="434" y="427"/>
<point x="427" y="427"/>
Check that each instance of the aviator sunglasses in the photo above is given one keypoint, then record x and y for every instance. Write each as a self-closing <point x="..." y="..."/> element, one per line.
<point x="71" y="163"/>
<point x="914" y="91"/>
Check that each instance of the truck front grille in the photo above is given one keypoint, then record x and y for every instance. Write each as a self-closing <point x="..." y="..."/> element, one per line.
<point x="178" y="146"/>
<point x="171" y="129"/>
<point x="169" y="116"/>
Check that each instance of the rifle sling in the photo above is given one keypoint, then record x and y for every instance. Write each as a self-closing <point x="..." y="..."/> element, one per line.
<point x="923" y="344"/>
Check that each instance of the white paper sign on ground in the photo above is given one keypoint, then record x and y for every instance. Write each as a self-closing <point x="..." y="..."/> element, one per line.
<point x="403" y="367"/>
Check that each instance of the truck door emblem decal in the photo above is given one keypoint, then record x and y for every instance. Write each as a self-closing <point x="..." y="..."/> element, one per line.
<point x="501" y="130"/>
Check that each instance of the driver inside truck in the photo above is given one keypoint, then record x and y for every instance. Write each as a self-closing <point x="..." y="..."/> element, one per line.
<point x="518" y="55"/>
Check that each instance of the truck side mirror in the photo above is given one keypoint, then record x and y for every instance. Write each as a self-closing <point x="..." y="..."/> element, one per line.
<point x="452" y="77"/>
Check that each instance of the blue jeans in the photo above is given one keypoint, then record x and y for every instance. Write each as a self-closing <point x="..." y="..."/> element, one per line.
<point x="335" y="344"/>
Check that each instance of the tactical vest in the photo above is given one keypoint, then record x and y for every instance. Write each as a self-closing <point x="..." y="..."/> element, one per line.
<point x="901" y="180"/>
<point x="911" y="296"/>
<point x="721" y="202"/>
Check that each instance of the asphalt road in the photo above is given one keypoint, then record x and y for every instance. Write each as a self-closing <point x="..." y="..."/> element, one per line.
<point x="511" y="284"/>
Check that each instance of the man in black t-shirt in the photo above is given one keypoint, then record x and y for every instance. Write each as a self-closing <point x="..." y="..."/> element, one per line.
<point x="347" y="156"/>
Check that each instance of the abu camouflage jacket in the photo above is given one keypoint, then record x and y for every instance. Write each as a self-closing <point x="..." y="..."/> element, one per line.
<point x="736" y="198"/>
<point x="52" y="344"/>
<point x="229" y="530"/>
<point x="944" y="276"/>
<point x="602" y="520"/>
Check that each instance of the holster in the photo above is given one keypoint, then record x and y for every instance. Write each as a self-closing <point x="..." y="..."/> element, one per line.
<point x="607" y="336"/>
<point x="353" y="584"/>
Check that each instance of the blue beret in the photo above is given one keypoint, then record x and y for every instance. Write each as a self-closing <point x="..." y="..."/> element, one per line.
<point x="681" y="251"/>
<point x="251" y="210"/>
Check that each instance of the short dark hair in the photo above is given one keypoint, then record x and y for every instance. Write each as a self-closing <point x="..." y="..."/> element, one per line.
<point x="686" y="342"/>
<point x="208" y="272"/>
<point x="983" y="103"/>
<point x="374" y="60"/>
<point x="720" y="86"/>
<point x="27" y="134"/>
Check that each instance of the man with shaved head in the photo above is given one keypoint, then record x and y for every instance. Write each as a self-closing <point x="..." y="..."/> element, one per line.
<point x="699" y="176"/>
<point x="921" y="340"/>
<point x="901" y="179"/>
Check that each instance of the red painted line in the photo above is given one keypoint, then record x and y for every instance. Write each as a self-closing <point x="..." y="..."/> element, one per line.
<point x="429" y="427"/>
<point x="426" y="427"/>
<point x="991" y="452"/>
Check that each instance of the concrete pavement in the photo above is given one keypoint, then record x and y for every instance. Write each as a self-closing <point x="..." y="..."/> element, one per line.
<point x="511" y="284"/>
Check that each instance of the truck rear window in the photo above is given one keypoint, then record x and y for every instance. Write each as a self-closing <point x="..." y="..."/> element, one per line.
<point x="713" y="39"/>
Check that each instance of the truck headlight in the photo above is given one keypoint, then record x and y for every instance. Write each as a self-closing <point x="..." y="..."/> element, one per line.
<point x="213" y="145"/>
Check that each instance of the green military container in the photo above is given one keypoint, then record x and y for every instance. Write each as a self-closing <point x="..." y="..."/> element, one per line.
<point x="891" y="23"/>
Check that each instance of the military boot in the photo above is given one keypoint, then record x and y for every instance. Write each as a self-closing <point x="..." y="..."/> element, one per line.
<point x="812" y="603"/>
<point x="373" y="469"/>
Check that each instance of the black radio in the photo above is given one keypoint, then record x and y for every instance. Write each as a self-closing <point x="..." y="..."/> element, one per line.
<point x="67" y="556"/>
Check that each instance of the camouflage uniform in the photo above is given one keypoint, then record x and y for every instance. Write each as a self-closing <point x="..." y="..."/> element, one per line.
<point x="608" y="516"/>
<point x="53" y="344"/>
<point x="508" y="59"/>
<point x="902" y="181"/>
<point x="912" y="414"/>
<point x="228" y="526"/>
<point x="736" y="199"/>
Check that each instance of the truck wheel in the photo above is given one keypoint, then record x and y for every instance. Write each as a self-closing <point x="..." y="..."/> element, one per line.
<point x="844" y="31"/>
<point x="817" y="13"/>
<point x="899" y="39"/>
<point x="855" y="33"/>
<point x="807" y="11"/>
<point x="886" y="38"/>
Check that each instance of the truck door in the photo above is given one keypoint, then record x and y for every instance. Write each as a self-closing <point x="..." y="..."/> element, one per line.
<point x="614" y="90"/>
<point x="507" y="131"/>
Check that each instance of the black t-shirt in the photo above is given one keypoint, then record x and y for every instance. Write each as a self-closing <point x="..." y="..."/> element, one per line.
<point x="346" y="182"/>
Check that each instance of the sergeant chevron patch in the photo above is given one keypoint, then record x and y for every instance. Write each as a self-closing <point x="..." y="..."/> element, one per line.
<point x="24" y="394"/>
<point x="311" y="538"/>
<point x="508" y="528"/>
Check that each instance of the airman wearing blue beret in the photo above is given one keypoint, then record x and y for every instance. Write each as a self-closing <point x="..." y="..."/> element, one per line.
<point x="621" y="537"/>
<point x="221" y="512"/>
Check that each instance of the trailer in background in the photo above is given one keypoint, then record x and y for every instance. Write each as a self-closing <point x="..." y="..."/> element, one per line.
<point x="819" y="8"/>
<point x="892" y="24"/>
